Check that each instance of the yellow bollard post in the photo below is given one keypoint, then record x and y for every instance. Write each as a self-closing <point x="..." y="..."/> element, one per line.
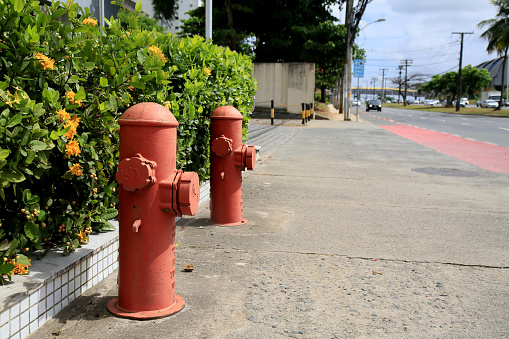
<point x="272" y="112"/>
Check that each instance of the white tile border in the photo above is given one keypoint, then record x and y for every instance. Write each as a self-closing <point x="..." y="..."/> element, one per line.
<point x="24" y="311"/>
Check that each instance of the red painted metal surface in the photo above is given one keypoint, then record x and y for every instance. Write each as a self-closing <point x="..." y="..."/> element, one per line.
<point x="490" y="157"/>
<point x="152" y="192"/>
<point x="228" y="158"/>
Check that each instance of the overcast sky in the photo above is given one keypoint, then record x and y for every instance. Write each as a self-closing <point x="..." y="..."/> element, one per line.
<point x="421" y="31"/>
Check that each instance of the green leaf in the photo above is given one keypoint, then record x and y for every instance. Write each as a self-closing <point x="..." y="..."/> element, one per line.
<point x="113" y="103"/>
<point x="103" y="82"/>
<point x="37" y="145"/>
<point x="138" y="85"/>
<point x="6" y="268"/>
<point x="31" y="231"/>
<point x="138" y="7"/>
<point x="30" y="157"/>
<point x="4" y="153"/>
<point x="13" y="246"/>
<point x="4" y="245"/>
<point x="12" y="176"/>
<point x="89" y="66"/>
<point x="18" y="5"/>
<point x="80" y="95"/>
<point x="14" y="120"/>
<point x="23" y="260"/>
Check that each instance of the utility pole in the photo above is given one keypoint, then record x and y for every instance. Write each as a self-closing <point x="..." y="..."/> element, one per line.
<point x="374" y="87"/>
<point x="383" y="79"/>
<point x="400" y="67"/>
<point x="407" y="63"/>
<point x="208" y="19"/>
<point x="348" y="63"/>
<point x="458" y="95"/>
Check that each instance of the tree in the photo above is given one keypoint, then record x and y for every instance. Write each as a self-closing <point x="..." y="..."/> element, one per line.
<point x="275" y="31"/>
<point x="165" y="10"/>
<point x="498" y="35"/>
<point x="413" y="81"/>
<point x="472" y="80"/>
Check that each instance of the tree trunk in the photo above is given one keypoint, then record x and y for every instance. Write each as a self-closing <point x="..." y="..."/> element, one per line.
<point x="322" y="94"/>
<point x="501" y="102"/>
<point x="229" y="14"/>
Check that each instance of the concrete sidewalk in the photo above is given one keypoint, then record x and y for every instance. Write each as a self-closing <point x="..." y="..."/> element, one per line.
<point x="346" y="238"/>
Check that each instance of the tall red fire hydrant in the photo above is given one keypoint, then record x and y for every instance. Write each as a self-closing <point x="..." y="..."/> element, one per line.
<point x="152" y="193"/>
<point x="228" y="158"/>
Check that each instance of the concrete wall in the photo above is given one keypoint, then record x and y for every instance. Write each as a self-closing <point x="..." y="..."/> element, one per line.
<point x="288" y="84"/>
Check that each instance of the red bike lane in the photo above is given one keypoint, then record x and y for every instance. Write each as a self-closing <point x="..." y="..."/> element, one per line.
<point x="490" y="157"/>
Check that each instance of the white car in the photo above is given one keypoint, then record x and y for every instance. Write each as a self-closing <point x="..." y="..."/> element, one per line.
<point x="431" y="102"/>
<point x="489" y="104"/>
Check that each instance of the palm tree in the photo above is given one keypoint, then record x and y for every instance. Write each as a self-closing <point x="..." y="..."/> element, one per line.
<point x="497" y="35"/>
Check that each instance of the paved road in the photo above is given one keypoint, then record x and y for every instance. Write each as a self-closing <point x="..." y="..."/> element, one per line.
<point x="491" y="130"/>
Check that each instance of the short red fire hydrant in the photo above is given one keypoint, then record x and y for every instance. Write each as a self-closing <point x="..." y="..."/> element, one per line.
<point x="152" y="193"/>
<point x="228" y="158"/>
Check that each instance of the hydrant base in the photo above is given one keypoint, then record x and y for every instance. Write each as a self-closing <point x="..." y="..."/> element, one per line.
<point x="242" y="222"/>
<point x="147" y="315"/>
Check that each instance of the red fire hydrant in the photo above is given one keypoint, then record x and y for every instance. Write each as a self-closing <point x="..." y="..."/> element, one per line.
<point x="228" y="158"/>
<point x="152" y="192"/>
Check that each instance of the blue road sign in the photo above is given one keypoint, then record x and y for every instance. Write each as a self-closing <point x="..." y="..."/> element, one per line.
<point x="358" y="68"/>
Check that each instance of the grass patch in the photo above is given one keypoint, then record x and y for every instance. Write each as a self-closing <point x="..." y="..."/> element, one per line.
<point x="452" y="110"/>
<point x="320" y="106"/>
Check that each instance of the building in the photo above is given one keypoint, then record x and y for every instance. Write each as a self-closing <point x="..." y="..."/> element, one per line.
<point x="184" y="6"/>
<point x="495" y="68"/>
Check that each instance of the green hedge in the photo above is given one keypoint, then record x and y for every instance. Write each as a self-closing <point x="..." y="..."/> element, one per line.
<point x="64" y="82"/>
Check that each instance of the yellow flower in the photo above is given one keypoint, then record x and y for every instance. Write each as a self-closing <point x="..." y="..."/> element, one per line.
<point x="70" y="96"/>
<point x="20" y="269"/>
<point x="167" y="104"/>
<point x="155" y="51"/>
<point x="44" y="61"/>
<point x="72" y="148"/>
<point x="63" y="115"/>
<point x="13" y="99"/>
<point x="76" y="170"/>
<point x="90" y="21"/>
<point x="82" y="236"/>
<point x="207" y="71"/>
<point x="72" y="130"/>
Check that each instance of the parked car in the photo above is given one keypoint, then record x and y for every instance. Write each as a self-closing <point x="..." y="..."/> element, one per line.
<point x="431" y="102"/>
<point x="356" y="103"/>
<point x="489" y="104"/>
<point x="478" y="103"/>
<point x="464" y="101"/>
<point x="373" y="104"/>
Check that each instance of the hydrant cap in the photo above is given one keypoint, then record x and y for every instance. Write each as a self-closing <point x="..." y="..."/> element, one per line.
<point x="148" y="114"/>
<point x="226" y="113"/>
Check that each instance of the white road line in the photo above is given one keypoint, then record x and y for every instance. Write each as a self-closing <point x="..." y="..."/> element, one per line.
<point x="423" y="118"/>
<point x="505" y="129"/>
<point x="466" y="124"/>
<point x="490" y="143"/>
<point x="470" y="139"/>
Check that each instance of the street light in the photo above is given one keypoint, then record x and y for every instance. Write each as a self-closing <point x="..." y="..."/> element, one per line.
<point x="349" y="46"/>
